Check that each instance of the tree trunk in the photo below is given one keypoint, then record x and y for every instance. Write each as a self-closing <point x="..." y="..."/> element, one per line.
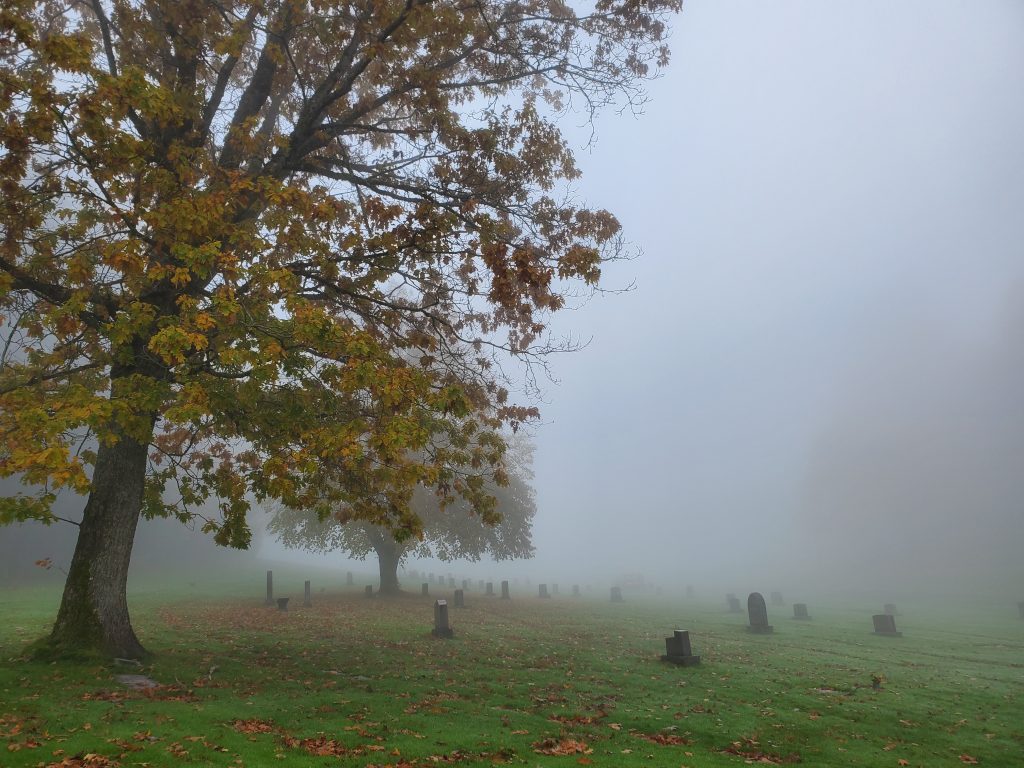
<point x="93" y="616"/>
<point x="388" y="558"/>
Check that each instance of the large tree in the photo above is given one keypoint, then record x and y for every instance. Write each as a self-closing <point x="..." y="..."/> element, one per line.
<point x="226" y="227"/>
<point x="450" y="531"/>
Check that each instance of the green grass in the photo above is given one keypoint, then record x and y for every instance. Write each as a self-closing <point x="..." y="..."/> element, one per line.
<point x="362" y="682"/>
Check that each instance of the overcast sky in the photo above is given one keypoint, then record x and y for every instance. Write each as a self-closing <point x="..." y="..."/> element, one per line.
<point x="818" y="378"/>
<point x="824" y="348"/>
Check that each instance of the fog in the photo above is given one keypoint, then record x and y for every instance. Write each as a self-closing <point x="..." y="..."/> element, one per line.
<point x="816" y="381"/>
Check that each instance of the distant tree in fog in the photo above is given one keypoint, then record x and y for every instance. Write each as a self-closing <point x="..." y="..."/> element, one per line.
<point x="450" y="532"/>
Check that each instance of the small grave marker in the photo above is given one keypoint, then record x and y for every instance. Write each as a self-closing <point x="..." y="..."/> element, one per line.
<point x="800" y="611"/>
<point x="505" y="595"/>
<point x="349" y="579"/>
<point x="490" y="589"/>
<point x="465" y="585"/>
<point x="554" y="589"/>
<point x="270" y="588"/>
<point x="282" y="603"/>
<point x="369" y="590"/>
<point x="777" y="599"/>
<point x="757" y="611"/>
<point x="885" y="624"/>
<point x="460" y="598"/>
<point x="480" y="585"/>
<point x="307" y="602"/>
<point x="424" y="589"/>
<point x="734" y="604"/>
<point x="441" y="626"/>
<point x="616" y="595"/>
<point x="678" y="650"/>
<point x="542" y="591"/>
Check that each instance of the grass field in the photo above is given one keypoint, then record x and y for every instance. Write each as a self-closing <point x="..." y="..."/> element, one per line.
<point x="560" y="682"/>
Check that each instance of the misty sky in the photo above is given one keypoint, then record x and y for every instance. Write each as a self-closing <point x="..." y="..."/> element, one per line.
<point x="818" y="377"/>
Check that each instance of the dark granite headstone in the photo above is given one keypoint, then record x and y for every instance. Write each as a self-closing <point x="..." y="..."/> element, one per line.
<point x="678" y="650"/>
<point x="270" y="588"/>
<point x="689" y="592"/>
<point x="424" y="589"/>
<point x="734" y="604"/>
<point x="282" y="603"/>
<point x="616" y="594"/>
<point x="505" y="595"/>
<point x="306" y="601"/>
<point x="575" y="590"/>
<point x="757" y="612"/>
<point x="889" y="609"/>
<point x="369" y="590"/>
<point x="441" y="626"/>
<point x="885" y="624"/>
<point x="460" y="598"/>
<point x="490" y="589"/>
<point x="800" y="611"/>
<point x="542" y="591"/>
<point x="777" y="599"/>
<point x="349" y="579"/>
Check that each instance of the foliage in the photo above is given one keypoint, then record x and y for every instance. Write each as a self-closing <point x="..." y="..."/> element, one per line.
<point x="449" y="531"/>
<point x="294" y="236"/>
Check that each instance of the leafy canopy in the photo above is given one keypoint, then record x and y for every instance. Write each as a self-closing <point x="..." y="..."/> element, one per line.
<point x="286" y="241"/>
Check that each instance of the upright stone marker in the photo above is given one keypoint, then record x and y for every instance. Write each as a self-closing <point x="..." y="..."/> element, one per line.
<point x="734" y="604"/>
<point x="460" y="598"/>
<point x="554" y="589"/>
<point x="542" y="591"/>
<point x="369" y="590"/>
<point x="800" y="611"/>
<point x="616" y="595"/>
<point x="282" y="603"/>
<point x="757" y="611"/>
<point x="885" y="624"/>
<point x="349" y="579"/>
<point x="889" y="609"/>
<point x="441" y="626"/>
<point x="307" y="601"/>
<point x="575" y="590"/>
<point x="465" y="585"/>
<point x="777" y="599"/>
<point x="451" y="582"/>
<point x="425" y="589"/>
<point x="505" y="595"/>
<point x="270" y="588"/>
<point x="678" y="650"/>
<point x="490" y="589"/>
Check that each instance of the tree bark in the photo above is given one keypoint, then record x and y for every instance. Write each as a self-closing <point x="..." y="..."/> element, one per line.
<point x="93" y="616"/>
<point x="388" y="558"/>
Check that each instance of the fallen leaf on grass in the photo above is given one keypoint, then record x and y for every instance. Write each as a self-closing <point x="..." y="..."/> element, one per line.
<point x="666" y="739"/>
<point x="968" y="759"/>
<point x="750" y="750"/>
<point x="253" y="726"/>
<point x="89" y="760"/>
<point x="561" y="747"/>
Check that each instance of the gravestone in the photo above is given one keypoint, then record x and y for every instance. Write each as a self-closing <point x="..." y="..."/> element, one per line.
<point x="306" y="601"/>
<point x="734" y="604"/>
<point x="465" y="585"/>
<point x="460" y="598"/>
<point x="490" y="589"/>
<point x="369" y="590"/>
<point x="349" y="579"/>
<point x="575" y="590"/>
<point x="554" y="589"/>
<point x="678" y="650"/>
<point x="889" y="609"/>
<point x="441" y="626"/>
<point x="430" y="578"/>
<point x="270" y="588"/>
<point x="689" y="592"/>
<point x="777" y="598"/>
<point x="425" y="589"/>
<point x="616" y="595"/>
<point x="451" y="582"/>
<point x="885" y="624"/>
<point x="757" y="612"/>
<point x="800" y="611"/>
<point x="282" y="603"/>
<point x="504" y="591"/>
<point x="480" y="585"/>
<point x="542" y="591"/>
